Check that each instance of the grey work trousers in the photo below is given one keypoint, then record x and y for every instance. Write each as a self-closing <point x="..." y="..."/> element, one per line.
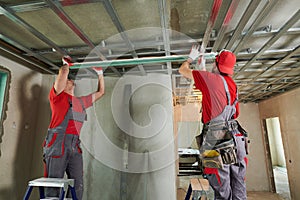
<point x="70" y="162"/>
<point x="228" y="182"/>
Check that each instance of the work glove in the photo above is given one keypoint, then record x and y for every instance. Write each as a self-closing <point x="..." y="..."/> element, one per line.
<point x="194" y="53"/>
<point x="201" y="63"/>
<point x="98" y="70"/>
<point x="67" y="60"/>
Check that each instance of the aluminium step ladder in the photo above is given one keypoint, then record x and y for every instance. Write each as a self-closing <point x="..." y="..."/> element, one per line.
<point x="198" y="188"/>
<point x="64" y="184"/>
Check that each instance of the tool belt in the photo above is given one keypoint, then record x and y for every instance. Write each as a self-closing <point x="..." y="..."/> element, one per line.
<point x="217" y="144"/>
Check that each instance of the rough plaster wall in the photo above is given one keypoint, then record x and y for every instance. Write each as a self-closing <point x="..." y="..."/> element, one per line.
<point x="183" y="115"/>
<point x="287" y="108"/>
<point x="256" y="177"/>
<point x="42" y="120"/>
<point x="187" y="131"/>
<point x="151" y="152"/>
<point x="19" y="130"/>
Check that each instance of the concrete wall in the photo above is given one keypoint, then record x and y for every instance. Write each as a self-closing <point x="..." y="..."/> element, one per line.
<point x="128" y="140"/>
<point x="287" y="108"/>
<point x="17" y="147"/>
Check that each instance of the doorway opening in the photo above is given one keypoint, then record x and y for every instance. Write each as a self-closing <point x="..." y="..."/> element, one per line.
<point x="278" y="162"/>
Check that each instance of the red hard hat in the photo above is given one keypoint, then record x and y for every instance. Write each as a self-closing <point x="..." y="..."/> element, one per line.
<point x="225" y="61"/>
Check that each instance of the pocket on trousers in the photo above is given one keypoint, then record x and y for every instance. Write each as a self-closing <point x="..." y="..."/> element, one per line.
<point x="54" y="145"/>
<point x="240" y="148"/>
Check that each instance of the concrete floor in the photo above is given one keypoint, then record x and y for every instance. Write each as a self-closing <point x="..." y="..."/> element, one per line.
<point x="251" y="196"/>
<point x="181" y="193"/>
<point x="264" y="196"/>
<point x="281" y="182"/>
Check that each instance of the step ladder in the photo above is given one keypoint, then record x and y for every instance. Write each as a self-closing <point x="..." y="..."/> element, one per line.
<point x="198" y="188"/>
<point x="62" y="183"/>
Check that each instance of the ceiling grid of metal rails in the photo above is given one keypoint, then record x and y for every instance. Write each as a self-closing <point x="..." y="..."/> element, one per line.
<point x="155" y="36"/>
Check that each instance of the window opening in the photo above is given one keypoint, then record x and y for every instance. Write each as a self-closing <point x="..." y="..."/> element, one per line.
<point x="4" y="87"/>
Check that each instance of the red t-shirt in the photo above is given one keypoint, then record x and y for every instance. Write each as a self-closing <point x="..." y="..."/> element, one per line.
<point x="59" y="106"/>
<point x="213" y="91"/>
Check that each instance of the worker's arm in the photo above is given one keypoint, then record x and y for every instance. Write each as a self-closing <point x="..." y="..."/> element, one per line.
<point x="185" y="70"/>
<point x="61" y="79"/>
<point x="185" y="67"/>
<point x="100" y="91"/>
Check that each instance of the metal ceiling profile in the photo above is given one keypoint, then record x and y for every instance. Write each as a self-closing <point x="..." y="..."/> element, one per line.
<point x="264" y="35"/>
<point x="136" y="61"/>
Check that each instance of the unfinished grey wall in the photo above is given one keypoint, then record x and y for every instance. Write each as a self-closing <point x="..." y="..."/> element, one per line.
<point x="187" y="131"/>
<point x="187" y="124"/>
<point x="19" y="130"/>
<point x="287" y="108"/>
<point x="257" y="176"/>
<point x="128" y="139"/>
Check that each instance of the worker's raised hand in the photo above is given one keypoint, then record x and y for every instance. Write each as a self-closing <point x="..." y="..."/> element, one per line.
<point x="67" y="60"/>
<point x="98" y="70"/>
<point x="195" y="52"/>
<point x="201" y="63"/>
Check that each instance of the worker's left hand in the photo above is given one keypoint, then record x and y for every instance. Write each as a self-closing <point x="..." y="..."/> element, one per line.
<point x="98" y="70"/>
<point x="67" y="60"/>
<point x="195" y="52"/>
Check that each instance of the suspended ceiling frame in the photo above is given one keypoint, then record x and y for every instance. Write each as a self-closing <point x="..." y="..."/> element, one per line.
<point x="269" y="68"/>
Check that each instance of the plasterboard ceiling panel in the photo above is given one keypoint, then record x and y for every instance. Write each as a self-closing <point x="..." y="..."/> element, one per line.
<point x="51" y="26"/>
<point x="287" y="42"/>
<point x="93" y="20"/>
<point x="276" y="18"/>
<point x="140" y="38"/>
<point x="241" y="9"/>
<point x="15" y="1"/>
<point x="294" y="72"/>
<point x="235" y="17"/>
<point x="255" y="45"/>
<point x="188" y="11"/>
<point x="20" y="34"/>
<point x="142" y="13"/>
<point x="243" y="75"/>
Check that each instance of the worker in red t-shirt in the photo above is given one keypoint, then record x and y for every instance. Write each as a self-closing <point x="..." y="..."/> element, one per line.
<point x="219" y="112"/>
<point x="61" y="149"/>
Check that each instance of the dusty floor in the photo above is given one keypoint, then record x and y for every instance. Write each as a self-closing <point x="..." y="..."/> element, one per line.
<point x="281" y="183"/>
<point x="264" y="196"/>
<point x="251" y="195"/>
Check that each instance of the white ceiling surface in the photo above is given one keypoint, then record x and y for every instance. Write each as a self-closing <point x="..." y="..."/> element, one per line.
<point x="263" y="34"/>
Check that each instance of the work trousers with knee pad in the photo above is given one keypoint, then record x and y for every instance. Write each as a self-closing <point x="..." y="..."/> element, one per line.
<point x="70" y="162"/>
<point x="228" y="182"/>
